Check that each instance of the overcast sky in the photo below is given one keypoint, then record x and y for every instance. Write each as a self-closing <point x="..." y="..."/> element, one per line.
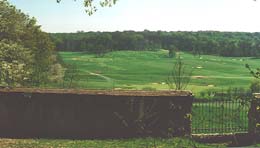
<point x="165" y="15"/>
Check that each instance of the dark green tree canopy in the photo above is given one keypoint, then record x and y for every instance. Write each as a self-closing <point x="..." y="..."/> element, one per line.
<point x="229" y="44"/>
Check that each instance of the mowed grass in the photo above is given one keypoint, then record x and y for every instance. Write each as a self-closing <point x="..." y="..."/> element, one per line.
<point x="150" y="69"/>
<point x="123" y="143"/>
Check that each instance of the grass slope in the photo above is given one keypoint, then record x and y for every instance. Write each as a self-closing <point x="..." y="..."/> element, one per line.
<point x="149" y="70"/>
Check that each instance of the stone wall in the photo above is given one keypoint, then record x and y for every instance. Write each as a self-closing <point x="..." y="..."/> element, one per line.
<point x="34" y="113"/>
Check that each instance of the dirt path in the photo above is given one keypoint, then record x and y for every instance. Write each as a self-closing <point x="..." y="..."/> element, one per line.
<point x="101" y="76"/>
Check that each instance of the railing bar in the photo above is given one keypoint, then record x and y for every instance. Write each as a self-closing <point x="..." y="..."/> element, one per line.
<point x="203" y="109"/>
<point x="239" y="114"/>
<point x="212" y="112"/>
<point x="245" y="120"/>
<point x="228" y="113"/>
<point x="200" y="115"/>
<point x="199" y="111"/>
<point x="232" y="115"/>
<point x="222" y="116"/>
<point x="224" y="113"/>
<point x="246" y="116"/>
<point x="210" y="117"/>
<point x="216" y="111"/>
<point x="197" y="118"/>
<point x="244" y="110"/>
<point x="220" y="111"/>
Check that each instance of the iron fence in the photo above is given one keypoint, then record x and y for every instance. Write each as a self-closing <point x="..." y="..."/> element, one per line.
<point x="220" y="116"/>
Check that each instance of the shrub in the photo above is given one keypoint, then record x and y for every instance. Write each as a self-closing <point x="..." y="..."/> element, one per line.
<point x="15" y="64"/>
<point x="255" y="86"/>
<point x="180" y="75"/>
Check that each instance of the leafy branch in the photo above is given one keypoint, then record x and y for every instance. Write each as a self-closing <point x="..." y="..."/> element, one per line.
<point x="91" y="8"/>
<point x="256" y="73"/>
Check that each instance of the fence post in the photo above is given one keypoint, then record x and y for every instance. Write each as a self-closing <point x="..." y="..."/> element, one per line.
<point x="254" y="118"/>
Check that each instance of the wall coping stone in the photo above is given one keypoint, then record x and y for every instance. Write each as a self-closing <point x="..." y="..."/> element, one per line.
<point x="137" y="93"/>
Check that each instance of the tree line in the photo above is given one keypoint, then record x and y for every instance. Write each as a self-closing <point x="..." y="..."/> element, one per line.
<point x="230" y="44"/>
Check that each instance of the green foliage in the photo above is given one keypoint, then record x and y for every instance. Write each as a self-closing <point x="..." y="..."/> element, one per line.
<point x="15" y="64"/>
<point x="71" y="76"/>
<point x="228" y="44"/>
<point x="20" y="30"/>
<point x="172" y="50"/>
<point x="255" y="73"/>
<point x="91" y="8"/>
<point x="255" y="86"/>
<point x="171" y="53"/>
<point x="180" y="76"/>
<point x="56" y="73"/>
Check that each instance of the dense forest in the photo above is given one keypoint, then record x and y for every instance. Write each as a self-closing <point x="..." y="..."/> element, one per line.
<point x="233" y="44"/>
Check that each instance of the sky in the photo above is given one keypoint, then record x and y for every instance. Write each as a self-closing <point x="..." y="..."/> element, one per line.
<point x="153" y="15"/>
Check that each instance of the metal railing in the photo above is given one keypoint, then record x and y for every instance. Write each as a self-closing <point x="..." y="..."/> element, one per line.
<point x="220" y="116"/>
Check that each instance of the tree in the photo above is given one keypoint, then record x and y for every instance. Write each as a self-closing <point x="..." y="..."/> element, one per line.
<point x="180" y="76"/>
<point x="207" y="42"/>
<point x="21" y="36"/>
<point x="172" y="50"/>
<point x="71" y="75"/>
<point x="91" y="7"/>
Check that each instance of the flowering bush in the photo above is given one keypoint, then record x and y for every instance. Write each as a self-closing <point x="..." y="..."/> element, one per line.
<point x="15" y="64"/>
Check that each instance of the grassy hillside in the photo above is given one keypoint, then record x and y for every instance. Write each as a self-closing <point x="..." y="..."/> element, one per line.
<point x="150" y="69"/>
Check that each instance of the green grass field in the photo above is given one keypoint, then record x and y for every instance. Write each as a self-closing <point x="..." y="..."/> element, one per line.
<point x="123" y="143"/>
<point x="150" y="69"/>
